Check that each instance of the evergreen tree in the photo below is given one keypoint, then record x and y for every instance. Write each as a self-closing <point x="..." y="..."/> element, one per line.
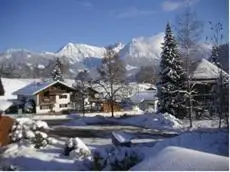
<point x="57" y="71"/>
<point x="171" y="84"/>
<point x="2" y="91"/>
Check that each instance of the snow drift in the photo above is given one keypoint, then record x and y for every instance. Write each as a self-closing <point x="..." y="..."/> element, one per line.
<point x="181" y="159"/>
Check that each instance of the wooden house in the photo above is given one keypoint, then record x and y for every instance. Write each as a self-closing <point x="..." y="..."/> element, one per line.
<point x="92" y="100"/>
<point x="106" y="106"/>
<point x="204" y="80"/>
<point x="146" y="99"/>
<point x="47" y="96"/>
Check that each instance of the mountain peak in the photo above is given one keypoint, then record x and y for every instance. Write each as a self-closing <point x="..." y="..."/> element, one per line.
<point x="79" y="52"/>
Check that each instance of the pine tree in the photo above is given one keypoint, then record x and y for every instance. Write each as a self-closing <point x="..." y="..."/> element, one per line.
<point x="2" y="91"/>
<point x="57" y="71"/>
<point x="172" y="78"/>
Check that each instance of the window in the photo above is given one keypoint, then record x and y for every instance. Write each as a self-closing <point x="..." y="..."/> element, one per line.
<point x="63" y="105"/>
<point x="46" y="94"/>
<point x="44" y="107"/>
<point x="62" y="96"/>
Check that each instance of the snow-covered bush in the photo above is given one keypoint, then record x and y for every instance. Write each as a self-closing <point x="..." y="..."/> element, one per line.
<point x="32" y="131"/>
<point x="136" y="108"/>
<point x="29" y="106"/>
<point x="150" y="110"/>
<point x="9" y="168"/>
<point x="75" y="148"/>
<point x="116" y="159"/>
<point x="40" y="139"/>
<point x="169" y="120"/>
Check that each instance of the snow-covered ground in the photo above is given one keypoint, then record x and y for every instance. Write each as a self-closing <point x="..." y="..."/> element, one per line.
<point x="193" y="150"/>
<point x="203" y="147"/>
<point x="200" y="147"/>
<point x="174" y="158"/>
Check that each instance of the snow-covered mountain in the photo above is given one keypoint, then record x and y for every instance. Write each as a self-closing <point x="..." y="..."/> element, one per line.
<point x="136" y="53"/>
<point x="143" y="51"/>
<point x="79" y="52"/>
<point x="18" y="56"/>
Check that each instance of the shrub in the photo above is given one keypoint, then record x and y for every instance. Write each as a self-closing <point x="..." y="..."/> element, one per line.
<point x="115" y="159"/>
<point x="40" y="140"/>
<point x="9" y="168"/>
<point x="29" y="130"/>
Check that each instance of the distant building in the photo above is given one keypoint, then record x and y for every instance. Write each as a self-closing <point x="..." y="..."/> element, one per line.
<point x="146" y="99"/>
<point x="47" y="96"/>
<point x="92" y="102"/>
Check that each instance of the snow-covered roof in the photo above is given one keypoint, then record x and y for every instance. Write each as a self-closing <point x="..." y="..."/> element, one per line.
<point x="207" y="70"/>
<point x="36" y="87"/>
<point x="5" y="104"/>
<point x="147" y="95"/>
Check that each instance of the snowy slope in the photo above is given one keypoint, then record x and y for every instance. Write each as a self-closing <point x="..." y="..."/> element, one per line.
<point x="21" y="56"/>
<point x="143" y="51"/>
<point x="174" y="158"/>
<point x="11" y="85"/>
<point x="140" y="51"/>
<point x="210" y="142"/>
<point x="78" y="52"/>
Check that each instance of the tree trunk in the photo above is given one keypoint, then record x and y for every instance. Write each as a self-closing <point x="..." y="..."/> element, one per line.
<point x="83" y="107"/>
<point x="221" y="102"/>
<point x="190" y="112"/>
<point x="112" y="108"/>
<point x="189" y="89"/>
<point x="190" y="105"/>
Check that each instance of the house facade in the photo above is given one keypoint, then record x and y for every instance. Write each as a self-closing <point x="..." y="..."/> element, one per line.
<point x="204" y="80"/>
<point x="146" y="99"/>
<point x="46" y="96"/>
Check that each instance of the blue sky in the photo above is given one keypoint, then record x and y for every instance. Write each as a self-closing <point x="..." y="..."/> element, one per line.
<point x="47" y="25"/>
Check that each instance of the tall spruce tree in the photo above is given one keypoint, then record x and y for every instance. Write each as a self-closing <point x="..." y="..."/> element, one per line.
<point x="172" y="79"/>
<point x="57" y="71"/>
<point x="2" y="91"/>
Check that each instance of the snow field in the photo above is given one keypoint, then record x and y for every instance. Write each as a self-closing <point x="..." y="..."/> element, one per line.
<point x="174" y="158"/>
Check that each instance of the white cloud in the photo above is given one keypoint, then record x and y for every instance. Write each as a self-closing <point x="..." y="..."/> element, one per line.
<point x="171" y="5"/>
<point x="133" y="12"/>
<point x="85" y="4"/>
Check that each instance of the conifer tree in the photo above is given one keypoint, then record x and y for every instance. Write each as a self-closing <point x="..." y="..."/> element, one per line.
<point x="171" y="84"/>
<point x="2" y="91"/>
<point x="57" y="71"/>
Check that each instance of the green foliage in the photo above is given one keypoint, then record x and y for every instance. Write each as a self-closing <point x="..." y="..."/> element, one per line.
<point x="172" y="78"/>
<point x="2" y="91"/>
<point x="57" y="71"/>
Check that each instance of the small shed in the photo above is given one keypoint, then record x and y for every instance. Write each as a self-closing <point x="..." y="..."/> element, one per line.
<point x="119" y="138"/>
<point x="6" y="124"/>
<point x="146" y="99"/>
<point x="106" y="106"/>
